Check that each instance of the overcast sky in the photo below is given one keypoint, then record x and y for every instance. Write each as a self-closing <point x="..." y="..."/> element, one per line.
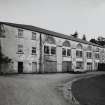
<point x="64" y="16"/>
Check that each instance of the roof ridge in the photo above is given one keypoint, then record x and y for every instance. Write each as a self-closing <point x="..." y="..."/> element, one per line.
<point x="49" y="32"/>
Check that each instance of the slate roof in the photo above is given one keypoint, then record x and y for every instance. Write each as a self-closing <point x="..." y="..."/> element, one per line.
<point x="48" y="32"/>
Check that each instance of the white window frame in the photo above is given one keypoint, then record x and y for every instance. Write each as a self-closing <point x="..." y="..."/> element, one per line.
<point x="88" y="55"/>
<point x="50" y="46"/>
<point x="66" y="48"/>
<point x="79" y="56"/>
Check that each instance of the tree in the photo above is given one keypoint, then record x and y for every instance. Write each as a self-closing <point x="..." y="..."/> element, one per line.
<point x="84" y="37"/>
<point x="3" y="59"/>
<point x="101" y="41"/>
<point x="94" y="41"/>
<point x="75" y="34"/>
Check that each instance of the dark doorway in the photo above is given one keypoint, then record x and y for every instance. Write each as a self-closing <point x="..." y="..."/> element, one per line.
<point x="20" y="67"/>
<point x="101" y="66"/>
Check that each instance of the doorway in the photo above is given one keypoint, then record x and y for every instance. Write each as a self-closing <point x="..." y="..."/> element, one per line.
<point x="34" y="67"/>
<point x="20" y="67"/>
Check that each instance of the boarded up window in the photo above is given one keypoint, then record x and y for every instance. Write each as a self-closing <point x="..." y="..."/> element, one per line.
<point x="50" y="66"/>
<point x="66" y="66"/>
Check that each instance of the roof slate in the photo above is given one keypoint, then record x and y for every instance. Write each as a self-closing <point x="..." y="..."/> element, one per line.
<point x="48" y="32"/>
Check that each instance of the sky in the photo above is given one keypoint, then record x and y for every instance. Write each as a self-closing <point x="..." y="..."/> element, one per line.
<point x="63" y="16"/>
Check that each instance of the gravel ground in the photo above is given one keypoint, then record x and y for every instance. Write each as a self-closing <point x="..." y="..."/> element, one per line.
<point x="27" y="89"/>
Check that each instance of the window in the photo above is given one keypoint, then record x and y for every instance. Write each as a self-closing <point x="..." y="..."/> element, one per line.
<point x="53" y="50"/>
<point x="89" y="55"/>
<point x="68" y="52"/>
<point x="20" y="49"/>
<point x="79" y="54"/>
<point x="20" y="33"/>
<point x="79" y="65"/>
<point x="64" y="51"/>
<point x="33" y="36"/>
<point x="33" y="50"/>
<point x="97" y="56"/>
<point x="46" y="49"/>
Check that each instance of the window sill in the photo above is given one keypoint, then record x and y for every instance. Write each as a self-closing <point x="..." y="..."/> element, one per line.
<point x="66" y="56"/>
<point x="89" y="58"/>
<point x="33" y="39"/>
<point x="50" y="54"/>
<point x="79" y="57"/>
<point x="19" y="37"/>
<point x="33" y="54"/>
<point x="19" y="53"/>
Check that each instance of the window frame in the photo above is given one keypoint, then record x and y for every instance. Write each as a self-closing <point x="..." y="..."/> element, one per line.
<point x="33" y="51"/>
<point x="49" y="46"/>
<point x="79" y="53"/>
<point x="33" y="35"/>
<point x="88" y="53"/>
<point x="53" y="50"/>
<point x="97" y="55"/>
<point x="46" y="51"/>
<point x="20" y="49"/>
<point x="66" y="51"/>
<point x="20" y="33"/>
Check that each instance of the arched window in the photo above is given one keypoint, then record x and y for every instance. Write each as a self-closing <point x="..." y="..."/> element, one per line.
<point x="50" y="40"/>
<point x="79" y="52"/>
<point x="66" y="51"/>
<point x="89" y="52"/>
<point x="97" y="49"/>
<point x="50" y="46"/>
<point x="66" y="44"/>
<point x="89" y="48"/>
<point x="79" y="46"/>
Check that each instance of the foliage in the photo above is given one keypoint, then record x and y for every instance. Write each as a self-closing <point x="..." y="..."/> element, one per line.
<point x="94" y="41"/>
<point x="97" y="41"/>
<point x="3" y="58"/>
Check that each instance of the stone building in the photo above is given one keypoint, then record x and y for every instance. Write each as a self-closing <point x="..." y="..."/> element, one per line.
<point x="36" y="50"/>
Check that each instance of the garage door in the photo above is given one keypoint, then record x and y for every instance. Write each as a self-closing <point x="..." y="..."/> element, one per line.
<point x="89" y="66"/>
<point x="50" y="66"/>
<point x="66" y="66"/>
